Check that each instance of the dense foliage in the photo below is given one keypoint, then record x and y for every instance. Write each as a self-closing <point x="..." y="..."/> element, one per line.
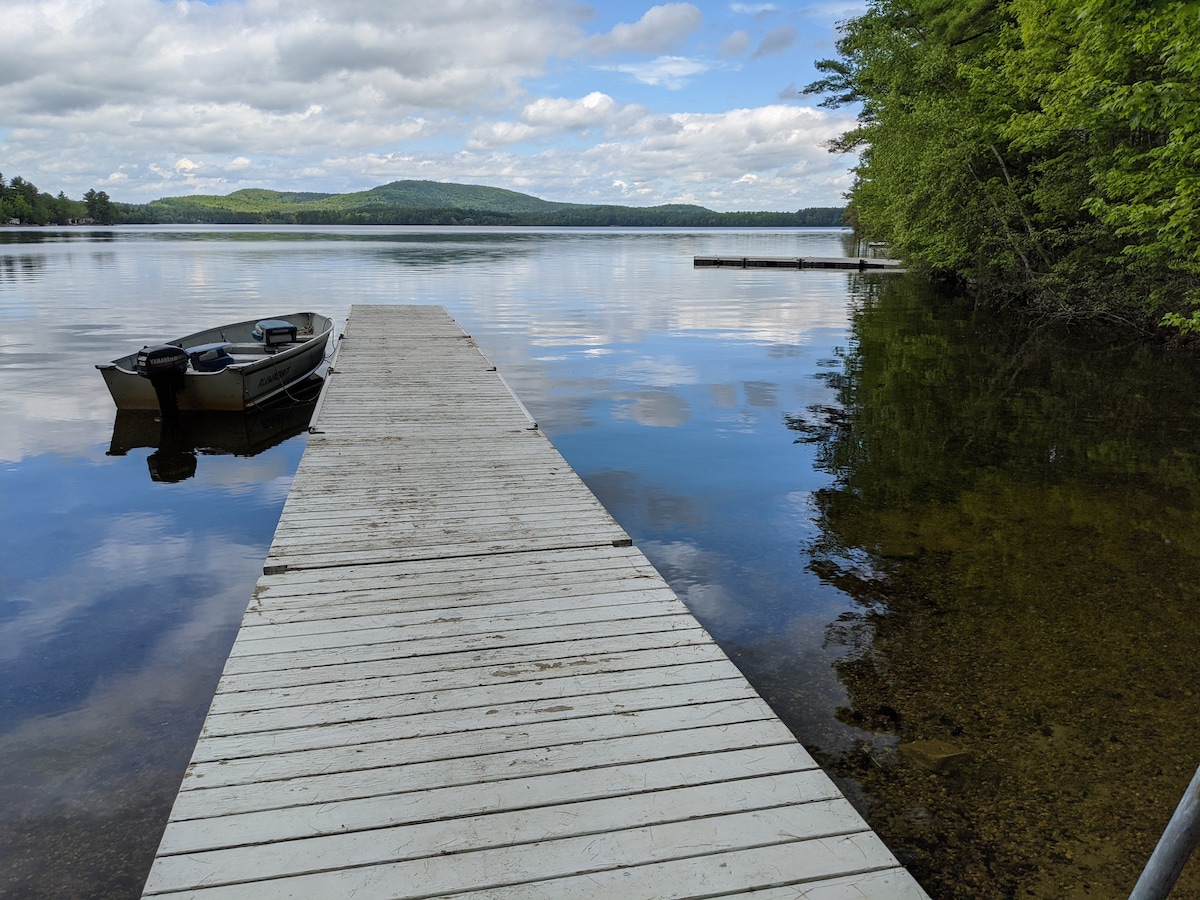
<point x="21" y="203"/>
<point x="1046" y="148"/>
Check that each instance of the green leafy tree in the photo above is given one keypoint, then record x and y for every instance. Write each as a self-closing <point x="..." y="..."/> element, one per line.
<point x="20" y="209"/>
<point x="1046" y="148"/>
<point x="99" y="207"/>
<point x="6" y="210"/>
<point x="23" y="201"/>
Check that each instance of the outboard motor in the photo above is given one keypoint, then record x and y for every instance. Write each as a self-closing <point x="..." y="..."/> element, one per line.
<point x="164" y="365"/>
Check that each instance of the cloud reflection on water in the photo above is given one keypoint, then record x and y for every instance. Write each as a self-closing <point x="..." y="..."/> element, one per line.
<point x="663" y="386"/>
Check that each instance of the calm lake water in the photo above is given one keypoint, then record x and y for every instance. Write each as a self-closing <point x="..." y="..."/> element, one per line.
<point x="906" y="520"/>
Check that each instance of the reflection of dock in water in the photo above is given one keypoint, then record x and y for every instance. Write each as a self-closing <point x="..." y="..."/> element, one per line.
<point x="177" y="441"/>
<point x="458" y="678"/>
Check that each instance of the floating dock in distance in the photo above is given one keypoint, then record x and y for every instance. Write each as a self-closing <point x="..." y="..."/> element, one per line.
<point x="459" y="679"/>
<point x="857" y="263"/>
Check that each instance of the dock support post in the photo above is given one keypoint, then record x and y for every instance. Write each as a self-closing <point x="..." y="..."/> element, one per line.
<point x="1174" y="847"/>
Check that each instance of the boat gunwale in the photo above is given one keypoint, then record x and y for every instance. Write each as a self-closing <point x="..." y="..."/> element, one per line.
<point x="248" y="366"/>
<point x="235" y="378"/>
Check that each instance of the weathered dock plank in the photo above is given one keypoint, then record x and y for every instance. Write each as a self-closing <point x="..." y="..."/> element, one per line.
<point x="456" y="678"/>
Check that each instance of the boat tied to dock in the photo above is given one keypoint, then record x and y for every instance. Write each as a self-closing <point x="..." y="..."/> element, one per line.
<point x="231" y="367"/>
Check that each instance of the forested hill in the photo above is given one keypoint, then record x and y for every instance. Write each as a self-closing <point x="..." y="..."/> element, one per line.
<point x="1046" y="149"/>
<point x="439" y="203"/>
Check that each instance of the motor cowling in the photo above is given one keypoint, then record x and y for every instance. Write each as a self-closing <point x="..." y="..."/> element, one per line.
<point x="164" y="365"/>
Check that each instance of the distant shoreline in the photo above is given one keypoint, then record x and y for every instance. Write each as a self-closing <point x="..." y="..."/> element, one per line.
<point x="397" y="203"/>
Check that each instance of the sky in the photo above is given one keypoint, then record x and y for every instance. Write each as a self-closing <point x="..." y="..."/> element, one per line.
<point x="614" y="102"/>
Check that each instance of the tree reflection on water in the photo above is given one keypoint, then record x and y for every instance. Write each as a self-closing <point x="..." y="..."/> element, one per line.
<point x="1014" y="511"/>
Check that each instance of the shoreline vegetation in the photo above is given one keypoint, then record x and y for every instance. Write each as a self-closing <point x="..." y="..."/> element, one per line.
<point x="398" y="203"/>
<point x="1042" y="150"/>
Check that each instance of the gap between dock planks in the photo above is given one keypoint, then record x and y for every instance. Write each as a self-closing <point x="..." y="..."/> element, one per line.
<point x="457" y="678"/>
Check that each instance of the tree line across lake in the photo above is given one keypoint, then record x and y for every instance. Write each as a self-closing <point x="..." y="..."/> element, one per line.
<point x="399" y="203"/>
<point x="1045" y="149"/>
<point x="21" y="203"/>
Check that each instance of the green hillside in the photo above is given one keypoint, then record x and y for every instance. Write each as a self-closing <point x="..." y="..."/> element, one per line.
<point x="440" y="203"/>
<point x="442" y="195"/>
<point x="260" y="197"/>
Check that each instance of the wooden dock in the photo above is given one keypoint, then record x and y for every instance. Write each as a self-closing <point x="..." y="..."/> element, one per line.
<point x="858" y="263"/>
<point x="457" y="678"/>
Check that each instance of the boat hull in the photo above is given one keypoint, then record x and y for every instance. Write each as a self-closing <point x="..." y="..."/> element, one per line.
<point x="258" y="373"/>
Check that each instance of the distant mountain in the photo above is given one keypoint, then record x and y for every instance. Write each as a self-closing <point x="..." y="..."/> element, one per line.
<point x="442" y="195"/>
<point x="440" y="203"/>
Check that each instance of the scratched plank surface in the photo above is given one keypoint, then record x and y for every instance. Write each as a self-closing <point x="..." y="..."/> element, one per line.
<point x="458" y="679"/>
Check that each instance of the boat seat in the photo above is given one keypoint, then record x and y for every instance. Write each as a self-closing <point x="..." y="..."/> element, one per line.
<point x="210" y="357"/>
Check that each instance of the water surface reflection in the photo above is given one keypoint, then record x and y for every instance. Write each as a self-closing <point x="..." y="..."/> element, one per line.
<point x="1015" y="513"/>
<point x="905" y="520"/>
<point x="664" y="386"/>
<point x="176" y="441"/>
<point x="120" y="594"/>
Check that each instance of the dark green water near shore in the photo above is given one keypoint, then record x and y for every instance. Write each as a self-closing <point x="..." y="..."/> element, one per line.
<point x="1015" y="513"/>
<point x="959" y="554"/>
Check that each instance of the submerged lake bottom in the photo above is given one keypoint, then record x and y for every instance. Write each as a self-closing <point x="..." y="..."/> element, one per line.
<point x="956" y="552"/>
<point x="1014" y="512"/>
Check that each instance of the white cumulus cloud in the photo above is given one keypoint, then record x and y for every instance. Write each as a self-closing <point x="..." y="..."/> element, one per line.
<point x="659" y="31"/>
<point x="594" y="109"/>
<point x="550" y="117"/>
<point x="150" y="98"/>
<point x="672" y="72"/>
